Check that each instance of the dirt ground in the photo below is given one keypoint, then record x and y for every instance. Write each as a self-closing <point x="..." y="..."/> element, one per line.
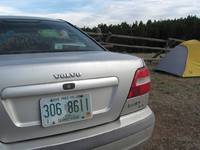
<point x="176" y="104"/>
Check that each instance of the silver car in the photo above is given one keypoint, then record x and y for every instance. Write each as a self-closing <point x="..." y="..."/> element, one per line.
<point x="60" y="89"/>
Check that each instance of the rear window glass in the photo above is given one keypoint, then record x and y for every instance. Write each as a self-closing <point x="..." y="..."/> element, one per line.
<point x="42" y="36"/>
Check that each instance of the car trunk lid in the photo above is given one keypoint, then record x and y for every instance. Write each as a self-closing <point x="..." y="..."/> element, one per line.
<point x="28" y="78"/>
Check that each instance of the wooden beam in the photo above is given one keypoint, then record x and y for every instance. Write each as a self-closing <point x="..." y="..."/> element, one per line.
<point x="136" y="46"/>
<point x="176" y="40"/>
<point x="138" y="38"/>
<point x="128" y="37"/>
<point x="95" y="34"/>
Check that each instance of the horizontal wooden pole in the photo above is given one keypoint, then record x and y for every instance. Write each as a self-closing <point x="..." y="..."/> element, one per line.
<point x="96" y="34"/>
<point x="176" y="40"/>
<point x="138" y="38"/>
<point x="136" y="46"/>
<point x="127" y="37"/>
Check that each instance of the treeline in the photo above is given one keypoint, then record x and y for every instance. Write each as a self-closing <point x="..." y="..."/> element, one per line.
<point x="182" y="28"/>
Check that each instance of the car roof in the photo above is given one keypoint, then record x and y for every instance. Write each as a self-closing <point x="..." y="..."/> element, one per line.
<point x="27" y="18"/>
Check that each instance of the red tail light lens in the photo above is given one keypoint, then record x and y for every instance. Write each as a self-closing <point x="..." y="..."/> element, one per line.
<point x="141" y="83"/>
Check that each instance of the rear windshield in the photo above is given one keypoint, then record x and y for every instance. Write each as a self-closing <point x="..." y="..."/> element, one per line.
<point x="42" y="36"/>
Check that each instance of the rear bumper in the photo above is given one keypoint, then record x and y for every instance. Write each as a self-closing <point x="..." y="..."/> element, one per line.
<point x="127" y="132"/>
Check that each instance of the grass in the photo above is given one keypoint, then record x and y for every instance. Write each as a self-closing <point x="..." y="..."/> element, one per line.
<point x="176" y="104"/>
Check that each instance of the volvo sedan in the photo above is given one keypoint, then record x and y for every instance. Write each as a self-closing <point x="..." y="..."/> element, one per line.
<point x="60" y="89"/>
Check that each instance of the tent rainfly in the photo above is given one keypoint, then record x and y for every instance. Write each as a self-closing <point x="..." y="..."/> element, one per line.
<point x="183" y="60"/>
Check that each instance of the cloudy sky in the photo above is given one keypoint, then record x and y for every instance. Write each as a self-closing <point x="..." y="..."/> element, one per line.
<point x="92" y="12"/>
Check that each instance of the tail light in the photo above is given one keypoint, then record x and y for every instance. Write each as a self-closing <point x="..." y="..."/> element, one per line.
<point x="141" y="83"/>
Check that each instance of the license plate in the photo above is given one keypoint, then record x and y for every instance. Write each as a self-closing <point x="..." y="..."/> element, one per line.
<point x="65" y="109"/>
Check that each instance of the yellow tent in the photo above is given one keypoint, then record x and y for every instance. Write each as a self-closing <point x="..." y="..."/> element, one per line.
<point x="183" y="60"/>
<point x="192" y="67"/>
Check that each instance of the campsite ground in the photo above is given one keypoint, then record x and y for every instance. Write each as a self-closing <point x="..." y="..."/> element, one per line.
<point x="176" y="104"/>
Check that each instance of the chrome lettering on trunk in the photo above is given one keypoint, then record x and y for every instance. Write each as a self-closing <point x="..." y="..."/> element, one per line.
<point x="67" y="75"/>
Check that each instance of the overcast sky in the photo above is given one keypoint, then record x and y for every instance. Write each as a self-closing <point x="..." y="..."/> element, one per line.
<point x="92" y="12"/>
